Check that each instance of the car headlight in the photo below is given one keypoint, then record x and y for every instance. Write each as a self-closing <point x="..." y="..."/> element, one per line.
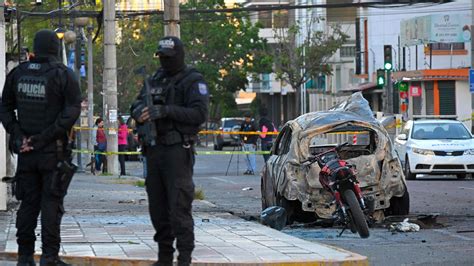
<point x="423" y="151"/>
<point x="469" y="152"/>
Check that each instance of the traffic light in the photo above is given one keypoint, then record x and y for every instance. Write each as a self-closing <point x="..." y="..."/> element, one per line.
<point x="387" y="55"/>
<point x="380" y="77"/>
<point x="402" y="86"/>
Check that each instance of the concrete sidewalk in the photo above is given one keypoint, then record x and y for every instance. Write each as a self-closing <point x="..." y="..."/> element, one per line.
<point x="220" y="239"/>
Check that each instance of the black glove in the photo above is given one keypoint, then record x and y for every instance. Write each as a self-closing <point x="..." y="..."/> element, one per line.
<point x="157" y="111"/>
<point x="136" y="110"/>
<point x="37" y="142"/>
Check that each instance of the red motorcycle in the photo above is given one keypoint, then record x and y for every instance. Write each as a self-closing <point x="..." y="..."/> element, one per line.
<point x="339" y="178"/>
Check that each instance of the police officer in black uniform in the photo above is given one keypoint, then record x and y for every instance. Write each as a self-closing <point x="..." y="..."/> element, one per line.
<point x="47" y="100"/>
<point x="180" y="102"/>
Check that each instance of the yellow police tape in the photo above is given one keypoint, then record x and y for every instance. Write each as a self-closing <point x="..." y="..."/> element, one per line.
<point x="202" y="132"/>
<point x="198" y="152"/>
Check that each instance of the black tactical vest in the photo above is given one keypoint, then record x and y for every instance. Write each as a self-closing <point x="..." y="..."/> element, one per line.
<point x="39" y="101"/>
<point x="172" y="91"/>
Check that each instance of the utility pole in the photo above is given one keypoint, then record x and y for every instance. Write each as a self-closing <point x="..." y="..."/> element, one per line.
<point x="389" y="92"/>
<point x="90" y="89"/>
<point x="3" y="137"/>
<point x="77" y="69"/>
<point x="171" y="18"/>
<point x="109" y="85"/>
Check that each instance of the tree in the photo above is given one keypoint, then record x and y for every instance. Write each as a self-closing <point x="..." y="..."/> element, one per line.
<point x="225" y="47"/>
<point x="302" y="53"/>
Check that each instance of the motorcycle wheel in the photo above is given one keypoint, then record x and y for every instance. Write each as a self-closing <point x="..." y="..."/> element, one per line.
<point x="358" y="217"/>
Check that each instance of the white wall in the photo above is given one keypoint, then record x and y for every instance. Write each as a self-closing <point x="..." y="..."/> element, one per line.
<point x="463" y="102"/>
<point x="384" y="28"/>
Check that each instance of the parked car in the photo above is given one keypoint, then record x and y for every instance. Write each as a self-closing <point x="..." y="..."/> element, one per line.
<point x="228" y="124"/>
<point x="436" y="146"/>
<point x="288" y="182"/>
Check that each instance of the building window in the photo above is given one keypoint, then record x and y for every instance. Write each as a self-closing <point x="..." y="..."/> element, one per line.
<point x="266" y="81"/>
<point x="348" y="51"/>
<point x="273" y="19"/>
<point x="265" y="18"/>
<point x="447" y="46"/>
<point x="280" y="19"/>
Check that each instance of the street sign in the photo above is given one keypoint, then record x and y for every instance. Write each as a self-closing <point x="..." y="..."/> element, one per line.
<point x="471" y="80"/>
<point x="403" y="107"/>
<point x="415" y="91"/>
<point x="403" y="95"/>
<point x="403" y="86"/>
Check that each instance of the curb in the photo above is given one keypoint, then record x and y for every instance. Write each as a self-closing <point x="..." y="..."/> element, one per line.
<point x="353" y="260"/>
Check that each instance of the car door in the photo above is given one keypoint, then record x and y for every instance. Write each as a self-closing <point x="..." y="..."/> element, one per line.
<point x="271" y="166"/>
<point x="400" y="144"/>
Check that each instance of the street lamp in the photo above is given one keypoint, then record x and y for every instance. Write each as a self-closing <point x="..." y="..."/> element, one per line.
<point x="60" y="33"/>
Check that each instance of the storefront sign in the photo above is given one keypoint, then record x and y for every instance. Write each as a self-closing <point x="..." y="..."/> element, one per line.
<point x="415" y="91"/>
<point x="471" y="80"/>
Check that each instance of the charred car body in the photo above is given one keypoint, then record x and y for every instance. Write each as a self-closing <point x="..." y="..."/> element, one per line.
<point x="288" y="182"/>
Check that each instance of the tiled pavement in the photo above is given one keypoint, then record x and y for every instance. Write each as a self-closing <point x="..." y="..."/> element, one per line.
<point x="220" y="239"/>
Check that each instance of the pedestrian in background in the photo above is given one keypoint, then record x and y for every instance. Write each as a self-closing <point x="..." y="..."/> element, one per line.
<point x="40" y="103"/>
<point x="101" y="139"/>
<point x="249" y="143"/>
<point x="265" y="125"/>
<point x="122" y="143"/>
<point x="180" y="105"/>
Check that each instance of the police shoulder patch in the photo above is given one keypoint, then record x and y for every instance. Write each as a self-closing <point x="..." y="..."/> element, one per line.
<point x="202" y="88"/>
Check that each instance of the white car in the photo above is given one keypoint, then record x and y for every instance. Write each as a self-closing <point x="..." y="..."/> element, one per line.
<point x="436" y="147"/>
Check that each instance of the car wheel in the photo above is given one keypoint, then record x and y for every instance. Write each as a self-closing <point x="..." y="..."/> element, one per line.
<point x="461" y="176"/>
<point x="399" y="205"/>
<point x="408" y="175"/>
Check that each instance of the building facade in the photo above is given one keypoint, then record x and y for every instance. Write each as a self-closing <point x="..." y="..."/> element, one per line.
<point x="431" y="52"/>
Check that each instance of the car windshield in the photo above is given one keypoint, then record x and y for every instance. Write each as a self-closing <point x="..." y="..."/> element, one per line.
<point x="232" y="123"/>
<point x="440" y="131"/>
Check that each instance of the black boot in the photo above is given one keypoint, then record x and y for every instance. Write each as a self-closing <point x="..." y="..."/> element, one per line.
<point x="52" y="261"/>
<point x="26" y="260"/>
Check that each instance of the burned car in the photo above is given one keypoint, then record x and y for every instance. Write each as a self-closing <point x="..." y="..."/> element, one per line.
<point x="290" y="183"/>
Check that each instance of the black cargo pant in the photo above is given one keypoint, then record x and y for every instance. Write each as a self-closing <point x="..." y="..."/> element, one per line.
<point x="170" y="190"/>
<point x="35" y="171"/>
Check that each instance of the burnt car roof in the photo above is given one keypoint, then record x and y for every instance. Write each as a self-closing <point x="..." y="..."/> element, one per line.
<point x="355" y="108"/>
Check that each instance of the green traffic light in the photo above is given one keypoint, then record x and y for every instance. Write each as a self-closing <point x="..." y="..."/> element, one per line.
<point x="388" y="66"/>
<point x="380" y="81"/>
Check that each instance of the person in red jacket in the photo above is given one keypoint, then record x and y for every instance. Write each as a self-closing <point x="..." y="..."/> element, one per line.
<point x="101" y="140"/>
<point x="122" y="143"/>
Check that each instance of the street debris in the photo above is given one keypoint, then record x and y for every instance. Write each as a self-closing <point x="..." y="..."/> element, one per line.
<point x="126" y="201"/>
<point x="425" y="221"/>
<point x="404" y="226"/>
<point x="205" y="220"/>
<point x="274" y="216"/>
<point x="247" y="188"/>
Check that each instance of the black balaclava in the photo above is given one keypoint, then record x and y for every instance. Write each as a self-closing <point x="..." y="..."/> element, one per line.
<point x="46" y="44"/>
<point x="171" y="54"/>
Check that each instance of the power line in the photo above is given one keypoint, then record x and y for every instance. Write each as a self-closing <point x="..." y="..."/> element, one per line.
<point x="74" y="13"/>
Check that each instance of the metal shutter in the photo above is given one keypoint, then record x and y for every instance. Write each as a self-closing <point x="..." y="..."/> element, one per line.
<point x="447" y="98"/>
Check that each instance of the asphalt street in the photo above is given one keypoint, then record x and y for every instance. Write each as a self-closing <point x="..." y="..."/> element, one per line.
<point x="449" y="241"/>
